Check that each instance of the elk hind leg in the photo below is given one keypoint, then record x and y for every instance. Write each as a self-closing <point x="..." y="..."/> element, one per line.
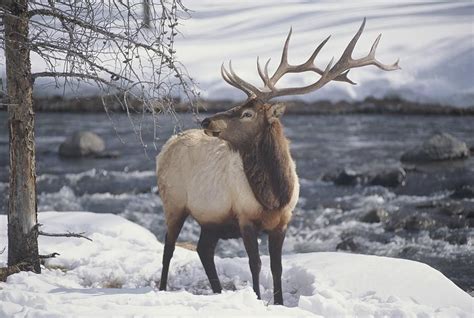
<point x="275" y="244"/>
<point x="206" y="248"/>
<point x="250" y="237"/>
<point x="174" y="224"/>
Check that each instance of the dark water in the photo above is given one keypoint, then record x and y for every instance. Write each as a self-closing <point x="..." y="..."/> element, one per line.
<point x="418" y="221"/>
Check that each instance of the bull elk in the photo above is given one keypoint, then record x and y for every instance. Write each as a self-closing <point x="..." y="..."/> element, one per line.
<point x="236" y="176"/>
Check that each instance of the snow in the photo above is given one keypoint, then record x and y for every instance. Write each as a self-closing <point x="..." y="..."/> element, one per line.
<point x="117" y="273"/>
<point x="434" y="41"/>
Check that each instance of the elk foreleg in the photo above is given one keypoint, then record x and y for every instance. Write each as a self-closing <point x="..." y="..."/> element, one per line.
<point x="275" y="244"/>
<point x="205" y="248"/>
<point x="250" y="237"/>
<point x="174" y="226"/>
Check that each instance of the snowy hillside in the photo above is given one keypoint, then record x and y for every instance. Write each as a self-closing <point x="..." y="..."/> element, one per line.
<point x="116" y="276"/>
<point x="434" y="41"/>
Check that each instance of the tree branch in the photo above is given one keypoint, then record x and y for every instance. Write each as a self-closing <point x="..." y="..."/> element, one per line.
<point x="52" y="255"/>
<point x="68" y="234"/>
<point x="94" y="28"/>
<point x="63" y="49"/>
<point x="34" y="76"/>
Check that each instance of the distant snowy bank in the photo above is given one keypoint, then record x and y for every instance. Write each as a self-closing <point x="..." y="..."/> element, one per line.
<point x="432" y="39"/>
<point x="116" y="275"/>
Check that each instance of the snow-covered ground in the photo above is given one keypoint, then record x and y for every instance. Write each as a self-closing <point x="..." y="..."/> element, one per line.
<point x="116" y="275"/>
<point x="434" y="41"/>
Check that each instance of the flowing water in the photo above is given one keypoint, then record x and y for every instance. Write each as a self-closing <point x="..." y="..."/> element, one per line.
<point x="419" y="221"/>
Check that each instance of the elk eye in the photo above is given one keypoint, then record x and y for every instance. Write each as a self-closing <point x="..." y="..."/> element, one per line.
<point x="246" y="115"/>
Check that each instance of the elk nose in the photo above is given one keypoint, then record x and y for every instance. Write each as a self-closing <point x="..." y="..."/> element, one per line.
<point x="205" y="123"/>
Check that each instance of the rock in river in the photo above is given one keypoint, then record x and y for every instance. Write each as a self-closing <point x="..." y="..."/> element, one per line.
<point x="82" y="144"/>
<point x="374" y="216"/>
<point x="463" y="192"/>
<point x="384" y="176"/>
<point x="440" y="146"/>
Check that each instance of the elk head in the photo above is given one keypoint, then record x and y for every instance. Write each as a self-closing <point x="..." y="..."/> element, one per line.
<point x="242" y="123"/>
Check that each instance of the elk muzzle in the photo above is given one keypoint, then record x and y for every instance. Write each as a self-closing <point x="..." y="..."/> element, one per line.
<point x="213" y="127"/>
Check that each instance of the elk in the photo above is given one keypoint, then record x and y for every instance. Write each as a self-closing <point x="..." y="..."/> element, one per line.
<point x="236" y="176"/>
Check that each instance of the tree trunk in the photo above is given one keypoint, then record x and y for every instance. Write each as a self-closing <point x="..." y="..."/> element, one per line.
<point x="146" y="13"/>
<point x="22" y="218"/>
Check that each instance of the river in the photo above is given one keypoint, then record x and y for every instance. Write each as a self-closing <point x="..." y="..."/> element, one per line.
<point x="328" y="217"/>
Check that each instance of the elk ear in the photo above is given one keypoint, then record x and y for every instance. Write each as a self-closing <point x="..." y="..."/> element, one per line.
<point x="275" y="111"/>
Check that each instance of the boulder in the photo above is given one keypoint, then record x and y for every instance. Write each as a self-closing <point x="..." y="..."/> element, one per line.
<point x="390" y="178"/>
<point x="385" y="176"/>
<point x="348" y="177"/>
<point x="440" y="146"/>
<point x="463" y="192"/>
<point x="347" y="244"/>
<point x="82" y="144"/>
<point x="374" y="216"/>
<point x="417" y="222"/>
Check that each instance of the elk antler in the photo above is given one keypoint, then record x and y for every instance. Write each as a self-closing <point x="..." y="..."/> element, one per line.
<point x="336" y="72"/>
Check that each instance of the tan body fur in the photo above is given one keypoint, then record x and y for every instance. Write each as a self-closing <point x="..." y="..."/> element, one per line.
<point x="202" y="176"/>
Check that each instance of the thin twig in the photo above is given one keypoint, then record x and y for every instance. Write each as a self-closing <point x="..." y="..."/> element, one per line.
<point x="52" y="255"/>
<point x="68" y="234"/>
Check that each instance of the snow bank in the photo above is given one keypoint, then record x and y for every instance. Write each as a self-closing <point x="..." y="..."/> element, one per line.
<point x="432" y="39"/>
<point x="117" y="274"/>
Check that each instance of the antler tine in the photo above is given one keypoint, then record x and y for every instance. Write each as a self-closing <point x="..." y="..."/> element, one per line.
<point x="343" y="78"/>
<point x="283" y="67"/>
<point x="270" y="82"/>
<point x="284" y="54"/>
<point x="373" y="60"/>
<point x="263" y="74"/>
<point x="230" y="80"/>
<point x="224" y="75"/>
<point x="310" y="61"/>
<point x="370" y="59"/>
<point x="328" y="68"/>
<point x="233" y="79"/>
<point x="374" y="46"/>
<point x="310" y="64"/>
<point x="346" y="56"/>
<point x="241" y="82"/>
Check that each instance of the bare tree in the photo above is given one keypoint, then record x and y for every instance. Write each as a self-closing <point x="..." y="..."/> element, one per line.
<point x="124" y="48"/>
<point x="146" y="13"/>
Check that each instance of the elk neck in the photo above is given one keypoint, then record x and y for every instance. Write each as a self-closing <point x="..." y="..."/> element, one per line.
<point x="268" y="166"/>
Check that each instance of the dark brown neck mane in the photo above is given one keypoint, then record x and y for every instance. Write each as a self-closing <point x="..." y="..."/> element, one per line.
<point x="267" y="165"/>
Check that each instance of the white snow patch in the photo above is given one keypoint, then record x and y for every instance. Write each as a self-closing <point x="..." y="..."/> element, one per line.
<point x="117" y="273"/>
<point x="432" y="39"/>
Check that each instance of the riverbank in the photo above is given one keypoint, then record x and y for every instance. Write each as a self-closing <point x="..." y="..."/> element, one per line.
<point x="95" y="104"/>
